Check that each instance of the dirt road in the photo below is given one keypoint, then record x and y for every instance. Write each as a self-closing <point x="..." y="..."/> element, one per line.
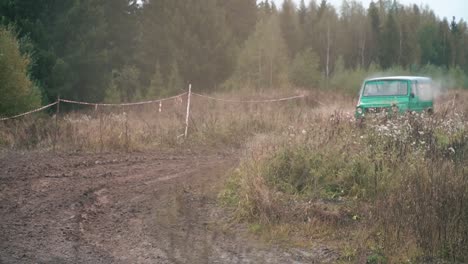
<point x="157" y="207"/>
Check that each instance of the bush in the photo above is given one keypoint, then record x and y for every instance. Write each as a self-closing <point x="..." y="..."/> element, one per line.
<point x="304" y="70"/>
<point x="19" y="94"/>
<point x="409" y="171"/>
<point x="350" y="80"/>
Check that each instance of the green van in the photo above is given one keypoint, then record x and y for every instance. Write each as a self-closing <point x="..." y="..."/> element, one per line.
<point x="398" y="94"/>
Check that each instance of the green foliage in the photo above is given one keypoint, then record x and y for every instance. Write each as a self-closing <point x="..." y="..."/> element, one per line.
<point x="241" y="17"/>
<point x="113" y="95"/>
<point x="326" y="37"/>
<point x="330" y="174"/>
<point x="304" y="70"/>
<point x="429" y="43"/>
<point x="19" y="94"/>
<point x="174" y="82"/>
<point x="192" y="34"/>
<point x="290" y="30"/>
<point x="374" y="32"/>
<point x="353" y="35"/>
<point x="390" y="42"/>
<point x="157" y="84"/>
<point x="410" y="170"/>
<point x="350" y="80"/>
<point x="376" y="258"/>
<point x="263" y="61"/>
<point x="124" y="85"/>
<point x="77" y="47"/>
<point x="453" y="78"/>
<point x="75" y="42"/>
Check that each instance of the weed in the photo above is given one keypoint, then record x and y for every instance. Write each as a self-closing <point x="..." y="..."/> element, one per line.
<point x="404" y="176"/>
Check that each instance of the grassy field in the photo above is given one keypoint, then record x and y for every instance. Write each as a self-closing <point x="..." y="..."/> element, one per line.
<point x="388" y="191"/>
<point x="211" y="123"/>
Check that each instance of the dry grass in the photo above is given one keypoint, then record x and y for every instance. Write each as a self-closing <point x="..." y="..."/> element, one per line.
<point x="395" y="188"/>
<point x="213" y="124"/>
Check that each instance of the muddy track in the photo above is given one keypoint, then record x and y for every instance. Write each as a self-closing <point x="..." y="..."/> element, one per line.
<point x="154" y="207"/>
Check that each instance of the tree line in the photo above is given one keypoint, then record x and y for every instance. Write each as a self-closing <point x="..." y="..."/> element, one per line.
<point x="127" y="50"/>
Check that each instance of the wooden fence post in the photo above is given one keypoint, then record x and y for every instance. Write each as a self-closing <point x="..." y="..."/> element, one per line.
<point x="189" y="96"/>
<point x="101" y="141"/>
<point x="56" y="122"/>
<point x="127" y="140"/>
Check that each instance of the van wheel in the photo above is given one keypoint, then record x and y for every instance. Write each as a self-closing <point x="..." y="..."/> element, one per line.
<point x="430" y="111"/>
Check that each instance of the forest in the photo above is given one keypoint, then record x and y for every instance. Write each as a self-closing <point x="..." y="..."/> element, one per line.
<point x="129" y="50"/>
<point x="107" y="157"/>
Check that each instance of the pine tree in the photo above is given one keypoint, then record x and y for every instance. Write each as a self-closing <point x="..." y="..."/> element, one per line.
<point x="326" y="40"/>
<point x="305" y="70"/>
<point x="290" y="27"/>
<point x="126" y="81"/>
<point x="409" y="20"/>
<point x="157" y="84"/>
<point x="264" y="8"/>
<point x="445" y="42"/>
<point x="75" y="43"/>
<point x="85" y="50"/>
<point x="120" y="18"/>
<point x="310" y="27"/>
<point x="175" y="82"/>
<point x="375" y="32"/>
<point x="199" y="41"/>
<point x="353" y="41"/>
<point x="302" y="13"/>
<point x="463" y="46"/>
<point x="274" y="9"/>
<point x="458" y="32"/>
<point x="241" y="17"/>
<point x="428" y="43"/>
<point x="263" y="61"/>
<point x="322" y="9"/>
<point x="112" y="94"/>
<point x="390" y="42"/>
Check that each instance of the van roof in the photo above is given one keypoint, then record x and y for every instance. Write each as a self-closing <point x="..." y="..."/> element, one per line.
<point x="408" y="78"/>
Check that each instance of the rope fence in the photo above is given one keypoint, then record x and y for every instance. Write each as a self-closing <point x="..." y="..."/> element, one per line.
<point x="250" y="101"/>
<point x="153" y="102"/>
<point x="123" y="104"/>
<point x="178" y="101"/>
<point x="30" y="112"/>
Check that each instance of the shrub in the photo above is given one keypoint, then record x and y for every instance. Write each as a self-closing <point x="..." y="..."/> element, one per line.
<point x="18" y="92"/>
<point x="304" y="70"/>
<point x="410" y="170"/>
<point x="349" y="80"/>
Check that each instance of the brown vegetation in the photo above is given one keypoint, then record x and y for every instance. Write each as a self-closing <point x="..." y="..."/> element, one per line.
<point x="395" y="189"/>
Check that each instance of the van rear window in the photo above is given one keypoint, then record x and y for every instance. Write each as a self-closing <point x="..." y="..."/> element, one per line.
<point x="386" y="88"/>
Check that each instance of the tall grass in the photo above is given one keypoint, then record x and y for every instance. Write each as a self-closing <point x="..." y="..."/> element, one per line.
<point x="211" y="123"/>
<point x="396" y="188"/>
<point x="402" y="180"/>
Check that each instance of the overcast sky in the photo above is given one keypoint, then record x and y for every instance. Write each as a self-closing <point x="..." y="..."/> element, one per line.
<point x="442" y="8"/>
